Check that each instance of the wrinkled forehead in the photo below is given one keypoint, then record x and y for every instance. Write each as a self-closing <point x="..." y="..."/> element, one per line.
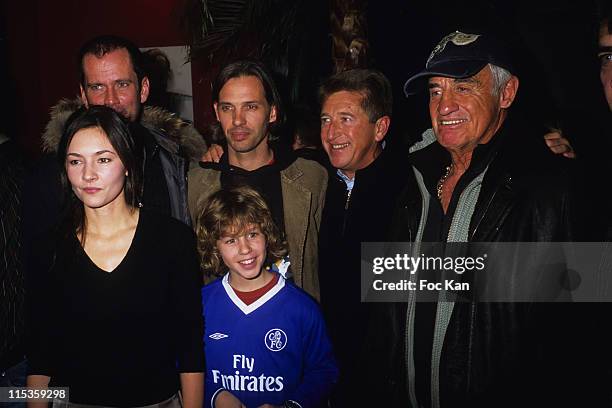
<point x="439" y="80"/>
<point x="117" y="62"/>
<point x="347" y="95"/>
<point x="344" y="100"/>
<point x="483" y="77"/>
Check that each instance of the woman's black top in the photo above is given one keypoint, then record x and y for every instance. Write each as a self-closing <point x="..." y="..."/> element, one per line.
<point x="121" y="338"/>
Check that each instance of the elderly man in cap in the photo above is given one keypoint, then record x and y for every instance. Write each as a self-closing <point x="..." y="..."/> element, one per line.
<point x="481" y="176"/>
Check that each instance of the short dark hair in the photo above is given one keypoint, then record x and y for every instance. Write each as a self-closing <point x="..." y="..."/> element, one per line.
<point x="372" y="84"/>
<point x="102" y="45"/>
<point x="248" y="67"/>
<point x="231" y="211"/>
<point x="118" y="133"/>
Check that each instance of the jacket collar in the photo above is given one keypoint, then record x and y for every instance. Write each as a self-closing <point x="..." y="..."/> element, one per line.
<point x="431" y="159"/>
<point x="283" y="158"/>
<point x="168" y="126"/>
<point x="378" y="167"/>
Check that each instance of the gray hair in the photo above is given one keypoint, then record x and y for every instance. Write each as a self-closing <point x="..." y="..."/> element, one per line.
<point x="501" y="77"/>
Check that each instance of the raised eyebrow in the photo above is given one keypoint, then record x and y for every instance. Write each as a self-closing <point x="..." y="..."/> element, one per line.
<point x="74" y="154"/>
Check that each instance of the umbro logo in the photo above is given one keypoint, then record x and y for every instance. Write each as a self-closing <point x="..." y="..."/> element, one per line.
<point x="218" y="336"/>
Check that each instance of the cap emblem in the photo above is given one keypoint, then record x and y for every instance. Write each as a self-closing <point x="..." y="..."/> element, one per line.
<point x="458" y="38"/>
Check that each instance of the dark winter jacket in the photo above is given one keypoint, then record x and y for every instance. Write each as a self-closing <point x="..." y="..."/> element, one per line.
<point x="349" y="220"/>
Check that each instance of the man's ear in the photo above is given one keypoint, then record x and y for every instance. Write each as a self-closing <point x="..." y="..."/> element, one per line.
<point x="509" y="92"/>
<point x="83" y="97"/>
<point x="382" y="127"/>
<point x="272" y="114"/>
<point x="144" y="89"/>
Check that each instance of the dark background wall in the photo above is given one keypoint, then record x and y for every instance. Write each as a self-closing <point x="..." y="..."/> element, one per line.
<point x="556" y="37"/>
<point x="43" y="37"/>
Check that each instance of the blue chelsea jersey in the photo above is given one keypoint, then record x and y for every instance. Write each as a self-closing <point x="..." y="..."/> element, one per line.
<point x="270" y="351"/>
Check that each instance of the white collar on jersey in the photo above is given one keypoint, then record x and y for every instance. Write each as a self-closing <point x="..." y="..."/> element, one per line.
<point x="246" y="309"/>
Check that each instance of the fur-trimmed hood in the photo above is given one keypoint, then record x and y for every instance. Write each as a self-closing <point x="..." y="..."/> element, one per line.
<point x="177" y="130"/>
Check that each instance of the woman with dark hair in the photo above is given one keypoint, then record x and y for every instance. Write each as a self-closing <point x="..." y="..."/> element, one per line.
<point x="117" y="319"/>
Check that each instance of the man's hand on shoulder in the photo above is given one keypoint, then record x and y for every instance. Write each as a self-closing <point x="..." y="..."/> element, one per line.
<point x="559" y="145"/>
<point x="213" y="154"/>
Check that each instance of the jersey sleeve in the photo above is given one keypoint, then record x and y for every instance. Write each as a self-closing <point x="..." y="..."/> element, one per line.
<point x="320" y="368"/>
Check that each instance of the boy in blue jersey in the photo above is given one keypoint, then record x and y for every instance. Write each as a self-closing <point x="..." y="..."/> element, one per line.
<point x="265" y="339"/>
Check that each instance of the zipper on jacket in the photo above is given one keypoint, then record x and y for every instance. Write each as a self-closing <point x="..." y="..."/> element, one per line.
<point x="346" y="207"/>
<point x="348" y="199"/>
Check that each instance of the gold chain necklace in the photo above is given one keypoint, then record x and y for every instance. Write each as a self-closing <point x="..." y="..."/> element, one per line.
<point x="443" y="180"/>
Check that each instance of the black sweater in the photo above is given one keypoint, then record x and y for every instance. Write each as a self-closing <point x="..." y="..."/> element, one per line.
<point x="121" y="338"/>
